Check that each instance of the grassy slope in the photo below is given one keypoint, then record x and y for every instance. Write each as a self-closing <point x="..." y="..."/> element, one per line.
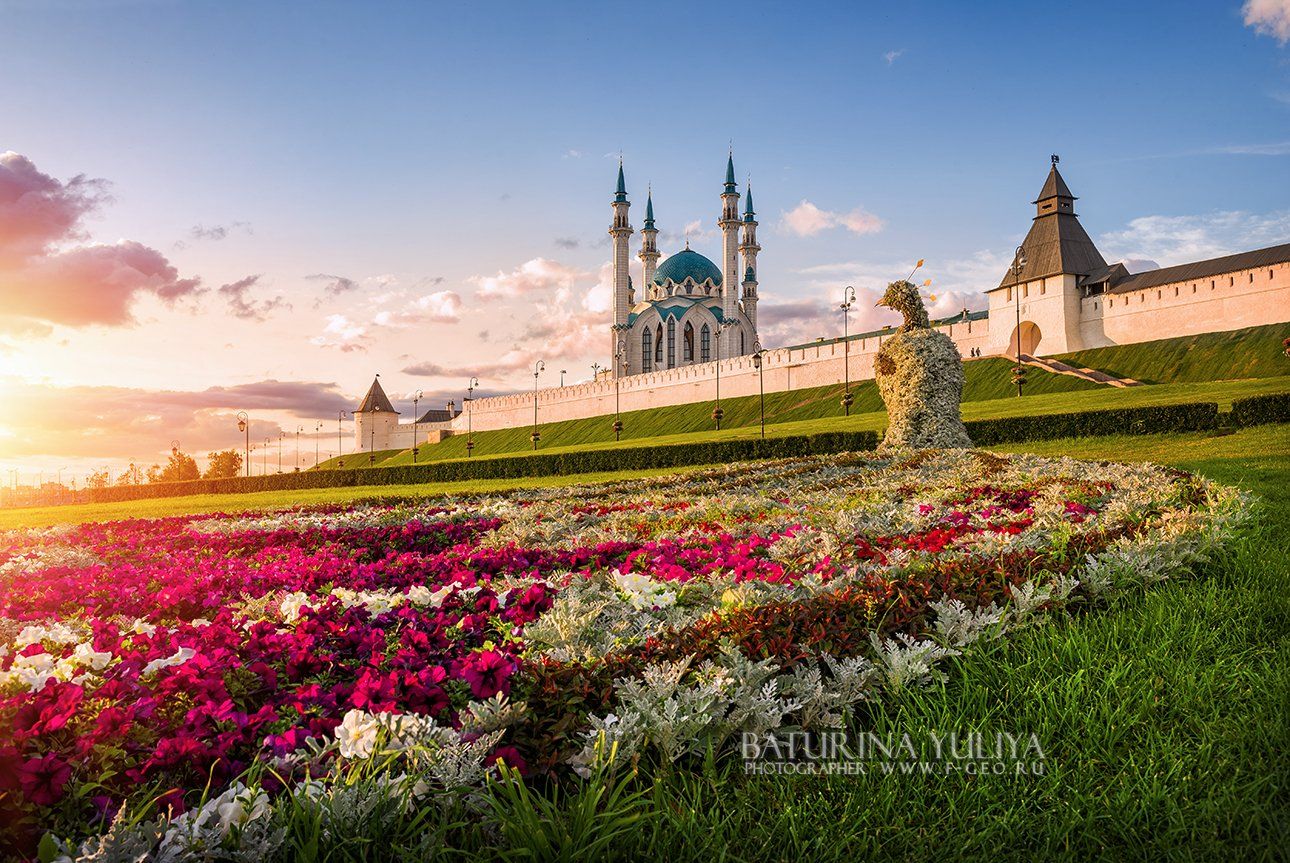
<point x="1162" y="718"/>
<point x="1254" y="352"/>
<point x="597" y="433"/>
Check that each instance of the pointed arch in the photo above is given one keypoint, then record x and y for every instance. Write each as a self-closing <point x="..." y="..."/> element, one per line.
<point x="658" y="346"/>
<point x="671" y="343"/>
<point x="647" y="351"/>
<point x="687" y="343"/>
<point x="705" y="343"/>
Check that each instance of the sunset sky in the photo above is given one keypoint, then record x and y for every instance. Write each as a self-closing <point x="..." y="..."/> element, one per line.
<point x="208" y="207"/>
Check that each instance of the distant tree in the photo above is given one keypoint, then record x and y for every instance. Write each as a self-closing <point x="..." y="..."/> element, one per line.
<point x="153" y="473"/>
<point x="130" y="476"/>
<point x="180" y="467"/>
<point x="98" y="479"/>
<point x="223" y="464"/>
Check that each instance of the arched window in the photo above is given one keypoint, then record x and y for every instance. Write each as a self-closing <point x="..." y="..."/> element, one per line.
<point x="647" y="351"/>
<point x="658" y="346"/>
<point x="742" y="350"/>
<point x="671" y="343"/>
<point x="687" y="346"/>
<point x="705" y="343"/>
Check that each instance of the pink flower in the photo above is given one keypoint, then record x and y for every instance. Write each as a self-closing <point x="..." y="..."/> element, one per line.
<point x="487" y="672"/>
<point x="44" y="780"/>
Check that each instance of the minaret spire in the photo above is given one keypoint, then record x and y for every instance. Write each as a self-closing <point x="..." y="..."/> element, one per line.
<point x="620" y="230"/>
<point x="729" y="224"/>
<point x="649" y="253"/>
<point x="749" y="249"/>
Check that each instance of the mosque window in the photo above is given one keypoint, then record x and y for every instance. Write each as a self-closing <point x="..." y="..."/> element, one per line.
<point x="742" y="349"/>
<point x="705" y="343"/>
<point x="658" y="346"/>
<point x="671" y="343"/>
<point x="687" y="347"/>
<point x="647" y="351"/>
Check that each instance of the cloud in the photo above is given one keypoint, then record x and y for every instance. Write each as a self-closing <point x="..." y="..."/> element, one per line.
<point x="1269" y="17"/>
<point x="892" y="56"/>
<point x="45" y="276"/>
<point x="242" y="306"/>
<point x="567" y="242"/>
<point x="441" y="307"/>
<point x="217" y="232"/>
<point x="807" y="220"/>
<point x="1182" y="239"/>
<point x="539" y="275"/>
<point x="573" y="154"/>
<point x="1276" y="148"/>
<point x="125" y="422"/>
<point x="341" y="333"/>
<point x="335" y="285"/>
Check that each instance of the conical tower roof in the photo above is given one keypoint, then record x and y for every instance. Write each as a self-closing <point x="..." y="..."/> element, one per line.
<point x="1057" y="242"/>
<point x="376" y="400"/>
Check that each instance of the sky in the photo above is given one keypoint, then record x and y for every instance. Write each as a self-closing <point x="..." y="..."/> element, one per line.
<point x="208" y="207"/>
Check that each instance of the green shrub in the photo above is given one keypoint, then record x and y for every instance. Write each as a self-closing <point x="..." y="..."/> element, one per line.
<point x="1196" y="416"/>
<point x="508" y="467"/>
<point x="1257" y="410"/>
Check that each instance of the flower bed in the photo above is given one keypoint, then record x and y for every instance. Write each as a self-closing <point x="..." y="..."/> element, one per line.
<point x="144" y="659"/>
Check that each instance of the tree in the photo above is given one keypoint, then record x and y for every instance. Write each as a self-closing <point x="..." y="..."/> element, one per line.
<point x="180" y="467"/>
<point x="98" y="479"/>
<point x="223" y="464"/>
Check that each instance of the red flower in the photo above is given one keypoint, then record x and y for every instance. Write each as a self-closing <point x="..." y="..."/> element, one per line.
<point x="487" y="672"/>
<point x="511" y="757"/>
<point x="44" y="780"/>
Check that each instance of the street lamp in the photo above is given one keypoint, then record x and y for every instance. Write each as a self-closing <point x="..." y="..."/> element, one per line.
<point x="281" y="435"/>
<point x="848" y="297"/>
<point x="317" y="437"/>
<point x="299" y="429"/>
<point x="595" y="371"/>
<point x="760" y="365"/>
<point x="340" y="446"/>
<point x="619" y="359"/>
<point x="470" y="415"/>
<point x="416" y="417"/>
<point x="1018" y="264"/>
<point x="174" y="447"/>
<point x="538" y="368"/>
<point x="244" y="426"/>
<point x="266" y="456"/>
<point x="717" y="413"/>
<point x="563" y="372"/>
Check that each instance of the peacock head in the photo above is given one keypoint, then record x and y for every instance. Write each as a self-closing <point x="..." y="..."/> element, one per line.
<point x="903" y="297"/>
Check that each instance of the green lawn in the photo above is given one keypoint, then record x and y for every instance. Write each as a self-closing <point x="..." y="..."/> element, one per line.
<point x="741" y="419"/>
<point x="1254" y="352"/>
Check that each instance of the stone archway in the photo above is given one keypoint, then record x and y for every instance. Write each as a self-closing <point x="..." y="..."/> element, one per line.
<point x="1030" y="338"/>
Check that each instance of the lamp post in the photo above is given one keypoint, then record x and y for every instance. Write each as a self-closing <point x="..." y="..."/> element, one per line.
<point x="538" y="368"/>
<point x="416" y="417"/>
<point x="595" y="371"/>
<point x="340" y="446"/>
<point x="244" y="426"/>
<point x="1018" y="264"/>
<point x="760" y="365"/>
<point x="266" y="456"/>
<point x="717" y="413"/>
<point x="470" y="415"/>
<point x="619" y="358"/>
<point x="563" y="372"/>
<point x="371" y="445"/>
<point x="299" y="429"/>
<point x="174" y="447"/>
<point x="281" y="435"/>
<point x="848" y="297"/>
<point x="317" y="437"/>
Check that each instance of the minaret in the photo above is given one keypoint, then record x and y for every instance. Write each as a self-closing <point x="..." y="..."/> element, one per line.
<point x="649" y="246"/>
<point x="729" y="224"/>
<point x="620" y="230"/>
<point x="749" y="249"/>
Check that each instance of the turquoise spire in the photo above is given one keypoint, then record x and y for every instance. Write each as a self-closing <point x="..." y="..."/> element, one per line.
<point x="649" y="210"/>
<point x="621" y="193"/>
<point x="730" y="172"/>
<point x="749" y="213"/>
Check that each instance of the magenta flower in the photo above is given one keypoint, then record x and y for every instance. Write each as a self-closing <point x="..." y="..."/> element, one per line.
<point x="487" y="672"/>
<point x="44" y="780"/>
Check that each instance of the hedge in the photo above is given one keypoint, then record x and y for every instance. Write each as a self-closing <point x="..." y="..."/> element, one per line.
<point x="1194" y="416"/>
<point x="1257" y="410"/>
<point x="503" y="467"/>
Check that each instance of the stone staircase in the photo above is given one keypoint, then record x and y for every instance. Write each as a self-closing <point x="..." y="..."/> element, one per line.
<point x="1059" y="368"/>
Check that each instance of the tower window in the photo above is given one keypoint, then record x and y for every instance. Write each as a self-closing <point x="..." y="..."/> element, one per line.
<point x="1231" y="280"/>
<point x="658" y="346"/>
<point x="1009" y="294"/>
<point x="687" y="348"/>
<point x="1211" y="284"/>
<point x="1157" y="295"/>
<point x="705" y="343"/>
<point x="1175" y="290"/>
<point x="742" y="349"/>
<point x="647" y="351"/>
<point x="1251" y="277"/>
<point x="671" y="343"/>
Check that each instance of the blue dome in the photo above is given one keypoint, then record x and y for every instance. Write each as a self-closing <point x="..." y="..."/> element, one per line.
<point x="687" y="264"/>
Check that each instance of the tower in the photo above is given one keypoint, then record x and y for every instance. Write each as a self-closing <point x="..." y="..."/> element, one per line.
<point x="729" y="224"/>
<point x="649" y="254"/>
<point x="749" y="249"/>
<point x="620" y="230"/>
<point x="375" y="420"/>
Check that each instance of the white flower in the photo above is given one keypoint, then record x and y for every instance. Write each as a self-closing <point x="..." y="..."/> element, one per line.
<point x="422" y="595"/>
<point x="85" y="655"/>
<point x="643" y="592"/>
<point x="179" y="657"/>
<point x="292" y="604"/>
<point x="142" y="627"/>
<point x="356" y="734"/>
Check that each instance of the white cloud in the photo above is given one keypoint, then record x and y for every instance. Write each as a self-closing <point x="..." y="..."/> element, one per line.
<point x="1181" y="239"/>
<point x="1276" y="148"/>
<point x="341" y="333"/>
<point x="807" y="220"/>
<point x="441" y="307"/>
<point x="539" y="275"/>
<point x="1269" y="17"/>
<point x="573" y="154"/>
<point x="892" y="56"/>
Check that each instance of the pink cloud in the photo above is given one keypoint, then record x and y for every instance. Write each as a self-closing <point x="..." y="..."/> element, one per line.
<point x="807" y="220"/>
<point x="45" y="278"/>
<point x="1269" y="17"/>
<point x="539" y="275"/>
<point x="441" y="307"/>
<point x="241" y="304"/>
